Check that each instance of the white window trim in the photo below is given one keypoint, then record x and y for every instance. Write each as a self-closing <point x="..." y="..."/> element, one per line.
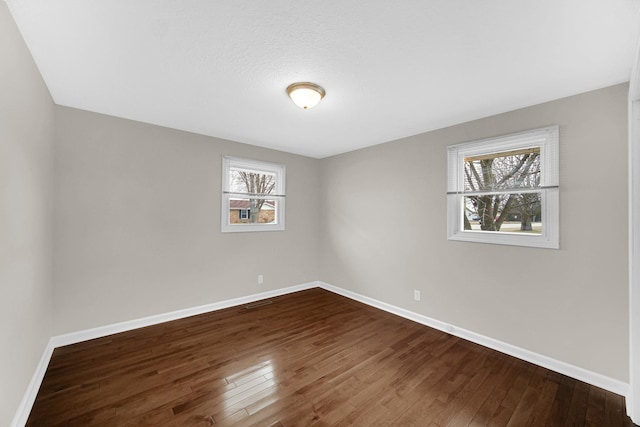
<point x="545" y="138"/>
<point x="278" y="169"/>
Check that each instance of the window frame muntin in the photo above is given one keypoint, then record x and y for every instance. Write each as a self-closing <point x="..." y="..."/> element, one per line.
<point x="229" y="162"/>
<point x="547" y="139"/>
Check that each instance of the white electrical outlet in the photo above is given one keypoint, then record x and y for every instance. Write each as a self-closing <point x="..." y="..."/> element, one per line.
<point x="260" y="279"/>
<point x="416" y="295"/>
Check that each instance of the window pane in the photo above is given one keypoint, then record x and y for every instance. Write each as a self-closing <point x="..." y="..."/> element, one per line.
<point x="506" y="212"/>
<point x="252" y="211"/>
<point x="500" y="171"/>
<point x="253" y="182"/>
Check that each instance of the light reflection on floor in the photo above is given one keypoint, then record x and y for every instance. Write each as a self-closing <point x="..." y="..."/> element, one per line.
<point x="250" y="390"/>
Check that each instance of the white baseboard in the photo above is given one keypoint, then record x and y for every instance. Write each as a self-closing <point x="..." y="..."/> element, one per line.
<point x="590" y="377"/>
<point x="578" y="373"/>
<point x="22" y="414"/>
<point x="103" y="331"/>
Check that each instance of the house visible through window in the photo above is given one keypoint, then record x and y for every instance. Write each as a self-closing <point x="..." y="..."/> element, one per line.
<point x="505" y="190"/>
<point x="253" y="195"/>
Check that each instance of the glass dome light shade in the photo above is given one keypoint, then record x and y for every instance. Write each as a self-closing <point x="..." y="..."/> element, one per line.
<point x="305" y="95"/>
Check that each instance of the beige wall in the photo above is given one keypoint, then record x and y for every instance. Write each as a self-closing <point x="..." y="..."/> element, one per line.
<point x="26" y="138"/>
<point x="136" y="228"/>
<point x="569" y="304"/>
<point x="137" y="223"/>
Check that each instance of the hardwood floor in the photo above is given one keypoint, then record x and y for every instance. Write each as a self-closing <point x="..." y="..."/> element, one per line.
<point x="308" y="358"/>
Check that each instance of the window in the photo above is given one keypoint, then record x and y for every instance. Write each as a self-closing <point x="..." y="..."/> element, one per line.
<point x="253" y="195"/>
<point x="504" y="190"/>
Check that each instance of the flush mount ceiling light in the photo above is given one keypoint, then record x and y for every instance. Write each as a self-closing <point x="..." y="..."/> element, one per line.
<point x="305" y="95"/>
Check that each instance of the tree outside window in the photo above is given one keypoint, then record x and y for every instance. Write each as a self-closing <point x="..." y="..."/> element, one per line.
<point x="253" y="183"/>
<point x="492" y="177"/>
<point x="504" y="190"/>
<point x="253" y="196"/>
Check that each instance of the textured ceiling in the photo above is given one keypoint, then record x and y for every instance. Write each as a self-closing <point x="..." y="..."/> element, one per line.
<point x="390" y="69"/>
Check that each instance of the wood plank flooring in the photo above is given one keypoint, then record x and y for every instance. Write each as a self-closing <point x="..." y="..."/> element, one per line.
<point x="308" y="358"/>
